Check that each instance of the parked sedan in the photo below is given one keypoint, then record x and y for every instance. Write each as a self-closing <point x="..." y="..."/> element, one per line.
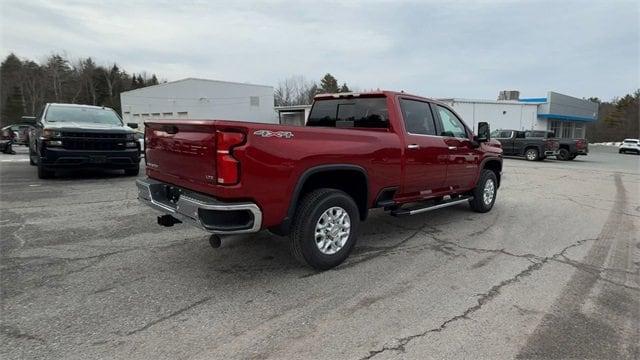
<point x="630" y="145"/>
<point x="20" y="131"/>
<point x="7" y="138"/>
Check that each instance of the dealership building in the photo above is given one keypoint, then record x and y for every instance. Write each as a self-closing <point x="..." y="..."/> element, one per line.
<point x="567" y="116"/>
<point x="199" y="99"/>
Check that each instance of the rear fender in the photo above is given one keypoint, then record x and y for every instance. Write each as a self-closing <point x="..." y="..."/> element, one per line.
<point x="285" y="226"/>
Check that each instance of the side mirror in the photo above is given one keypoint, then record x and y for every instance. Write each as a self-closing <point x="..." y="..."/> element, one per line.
<point x="484" y="133"/>
<point x="132" y="125"/>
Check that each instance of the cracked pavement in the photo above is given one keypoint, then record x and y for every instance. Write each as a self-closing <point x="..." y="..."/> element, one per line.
<point x="553" y="271"/>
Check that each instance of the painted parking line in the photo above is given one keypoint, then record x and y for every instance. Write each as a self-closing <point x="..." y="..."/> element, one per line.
<point x="14" y="160"/>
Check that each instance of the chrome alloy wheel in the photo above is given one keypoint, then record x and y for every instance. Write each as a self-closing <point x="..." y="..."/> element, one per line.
<point x="531" y="155"/>
<point x="489" y="192"/>
<point x="332" y="230"/>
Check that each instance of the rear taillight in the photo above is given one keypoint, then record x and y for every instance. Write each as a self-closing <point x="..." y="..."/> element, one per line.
<point x="227" y="167"/>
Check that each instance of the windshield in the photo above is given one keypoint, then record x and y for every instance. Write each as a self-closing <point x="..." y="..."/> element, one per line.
<point x="349" y="113"/>
<point x="631" y="141"/>
<point x="82" y="115"/>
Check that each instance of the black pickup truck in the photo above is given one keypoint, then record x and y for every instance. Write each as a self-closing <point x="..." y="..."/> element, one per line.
<point x="80" y="136"/>
<point x="532" y="144"/>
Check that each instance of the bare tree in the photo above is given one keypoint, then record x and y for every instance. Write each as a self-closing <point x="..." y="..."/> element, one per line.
<point x="86" y="91"/>
<point x="295" y="90"/>
<point x="33" y="85"/>
<point x="58" y="72"/>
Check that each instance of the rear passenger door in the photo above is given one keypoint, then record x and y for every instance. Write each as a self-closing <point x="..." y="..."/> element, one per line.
<point x="425" y="155"/>
<point x="519" y="142"/>
<point x="463" y="159"/>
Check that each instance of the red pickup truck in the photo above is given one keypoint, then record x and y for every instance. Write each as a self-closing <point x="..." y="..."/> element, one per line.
<point x="316" y="183"/>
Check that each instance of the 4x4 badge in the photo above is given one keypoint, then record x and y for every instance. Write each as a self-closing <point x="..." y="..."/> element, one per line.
<point x="278" y="134"/>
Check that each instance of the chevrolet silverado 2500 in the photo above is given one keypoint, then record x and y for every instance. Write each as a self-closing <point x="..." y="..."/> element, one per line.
<point x="316" y="183"/>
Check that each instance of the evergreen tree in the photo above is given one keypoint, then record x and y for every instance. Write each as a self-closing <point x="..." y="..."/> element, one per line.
<point x="329" y="84"/>
<point x="11" y="99"/>
<point x="14" y="108"/>
<point x="344" y="88"/>
<point x="134" y="81"/>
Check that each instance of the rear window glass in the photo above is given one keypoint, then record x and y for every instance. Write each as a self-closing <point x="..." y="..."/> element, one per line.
<point x="350" y="113"/>
<point x="630" y="141"/>
<point x="82" y="115"/>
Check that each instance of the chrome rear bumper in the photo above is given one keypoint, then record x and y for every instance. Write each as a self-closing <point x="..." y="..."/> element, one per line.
<point x="203" y="211"/>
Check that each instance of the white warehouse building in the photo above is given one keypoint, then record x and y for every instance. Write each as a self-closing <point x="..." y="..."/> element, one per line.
<point x="199" y="99"/>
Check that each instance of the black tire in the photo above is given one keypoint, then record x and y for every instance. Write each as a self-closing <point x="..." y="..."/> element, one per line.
<point x="532" y="154"/>
<point x="563" y="154"/>
<point x="572" y="157"/>
<point x="478" y="203"/>
<point x="44" y="173"/>
<point x="620" y="151"/>
<point x="31" y="156"/>
<point x="303" y="238"/>
<point x="132" y="172"/>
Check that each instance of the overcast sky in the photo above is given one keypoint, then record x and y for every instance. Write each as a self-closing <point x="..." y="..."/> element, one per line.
<point x="461" y="49"/>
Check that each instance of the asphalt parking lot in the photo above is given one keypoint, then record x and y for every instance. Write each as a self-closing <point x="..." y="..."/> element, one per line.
<point x="551" y="272"/>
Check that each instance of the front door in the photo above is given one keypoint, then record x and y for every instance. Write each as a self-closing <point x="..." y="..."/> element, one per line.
<point x="464" y="158"/>
<point x="506" y="139"/>
<point x="426" y="155"/>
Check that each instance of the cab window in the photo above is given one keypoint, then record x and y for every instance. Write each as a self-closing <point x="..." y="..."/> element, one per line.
<point x="451" y="125"/>
<point x="417" y="116"/>
<point x="501" y="134"/>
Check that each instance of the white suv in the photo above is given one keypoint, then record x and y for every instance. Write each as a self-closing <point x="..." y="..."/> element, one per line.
<point x="630" y="145"/>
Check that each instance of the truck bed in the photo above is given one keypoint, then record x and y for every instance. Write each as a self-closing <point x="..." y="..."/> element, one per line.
<point x="185" y="153"/>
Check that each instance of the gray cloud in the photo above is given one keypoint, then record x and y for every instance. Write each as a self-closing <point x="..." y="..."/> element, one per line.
<point x="583" y="48"/>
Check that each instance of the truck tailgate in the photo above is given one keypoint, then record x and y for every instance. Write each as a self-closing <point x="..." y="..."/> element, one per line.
<point x="182" y="149"/>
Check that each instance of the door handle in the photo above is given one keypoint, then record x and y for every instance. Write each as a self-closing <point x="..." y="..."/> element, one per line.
<point x="413" y="146"/>
<point x="453" y="147"/>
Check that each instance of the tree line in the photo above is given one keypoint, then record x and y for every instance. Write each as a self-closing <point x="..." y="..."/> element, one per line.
<point x="25" y="85"/>
<point x="617" y="119"/>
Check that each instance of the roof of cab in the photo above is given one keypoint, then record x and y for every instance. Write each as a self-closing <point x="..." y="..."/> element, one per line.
<point x="79" y="106"/>
<point x="374" y="93"/>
